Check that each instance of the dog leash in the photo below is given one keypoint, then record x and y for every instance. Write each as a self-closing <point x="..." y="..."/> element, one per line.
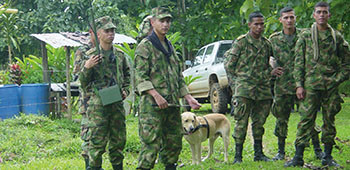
<point x="172" y="105"/>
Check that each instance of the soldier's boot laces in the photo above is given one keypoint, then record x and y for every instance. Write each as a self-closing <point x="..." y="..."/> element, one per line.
<point x="171" y="166"/>
<point x="281" y="153"/>
<point x="238" y="154"/>
<point x="317" y="149"/>
<point x="118" y="166"/>
<point x="298" y="157"/>
<point x="258" y="152"/>
<point x="327" y="158"/>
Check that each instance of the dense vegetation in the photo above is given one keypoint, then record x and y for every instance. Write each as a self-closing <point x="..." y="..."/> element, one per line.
<point x="199" y="22"/>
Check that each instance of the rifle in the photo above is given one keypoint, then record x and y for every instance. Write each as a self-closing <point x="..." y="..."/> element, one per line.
<point x="93" y="26"/>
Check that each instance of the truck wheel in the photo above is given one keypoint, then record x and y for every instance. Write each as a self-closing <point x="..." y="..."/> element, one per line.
<point x="218" y="98"/>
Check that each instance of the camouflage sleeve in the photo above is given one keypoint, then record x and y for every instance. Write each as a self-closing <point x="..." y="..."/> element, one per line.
<point x="77" y="61"/>
<point x="85" y="75"/>
<point x="299" y="62"/>
<point x="344" y="53"/>
<point x="126" y="74"/>
<point x="142" y="67"/>
<point x="231" y="58"/>
<point x="183" y="87"/>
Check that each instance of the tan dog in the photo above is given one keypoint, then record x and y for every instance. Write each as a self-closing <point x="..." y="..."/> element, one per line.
<point x="196" y="132"/>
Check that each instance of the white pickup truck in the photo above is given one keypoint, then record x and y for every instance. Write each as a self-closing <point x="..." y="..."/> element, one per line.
<point x="213" y="83"/>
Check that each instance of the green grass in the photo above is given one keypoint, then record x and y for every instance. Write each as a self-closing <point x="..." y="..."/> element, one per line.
<point x="36" y="142"/>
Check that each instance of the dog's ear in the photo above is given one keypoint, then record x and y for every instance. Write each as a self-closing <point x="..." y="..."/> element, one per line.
<point x="194" y="118"/>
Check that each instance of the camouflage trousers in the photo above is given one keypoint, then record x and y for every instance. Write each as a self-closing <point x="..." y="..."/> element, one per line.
<point x="330" y="102"/>
<point x="160" y="130"/>
<point x="106" y="125"/>
<point x="258" y="110"/>
<point x="83" y="136"/>
<point x="281" y="109"/>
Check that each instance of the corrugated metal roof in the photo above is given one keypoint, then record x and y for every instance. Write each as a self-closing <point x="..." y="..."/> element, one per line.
<point x="62" y="39"/>
<point x="56" y="40"/>
<point x="81" y="37"/>
<point x="120" y="39"/>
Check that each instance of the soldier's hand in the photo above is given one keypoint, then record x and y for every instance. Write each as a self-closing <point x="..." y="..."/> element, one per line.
<point x="124" y="95"/>
<point x="93" y="61"/>
<point x="161" y="102"/>
<point x="278" y="71"/>
<point x="192" y="102"/>
<point x="300" y="93"/>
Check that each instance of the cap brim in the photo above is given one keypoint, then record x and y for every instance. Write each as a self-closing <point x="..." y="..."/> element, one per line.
<point x="164" y="16"/>
<point x="108" y="26"/>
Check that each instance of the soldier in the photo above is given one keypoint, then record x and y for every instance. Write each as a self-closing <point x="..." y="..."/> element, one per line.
<point x="145" y="28"/>
<point x="160" y="85"/>
<point x="105" y="78"/>
<point x="283" y="43"/>
<point x="321" y="63"/>
<point x="248" y="62"/>
<point x="78" y="58"/>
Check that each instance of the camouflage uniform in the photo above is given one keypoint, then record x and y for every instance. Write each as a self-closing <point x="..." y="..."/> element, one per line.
<point x="284" y="88"/>
<point x="159" y="129"/>
<point x="144" y="29"/>
<point x="106" y="123"/>
<point x="248" y="62"/>
<point x="320" y="77"/>
<point x="78" y="58"/>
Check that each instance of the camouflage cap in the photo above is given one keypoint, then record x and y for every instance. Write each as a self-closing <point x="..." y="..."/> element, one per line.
<point x="161" y="12"/>
<point x="104" y="23"/>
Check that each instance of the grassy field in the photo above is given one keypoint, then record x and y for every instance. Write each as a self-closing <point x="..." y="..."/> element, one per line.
<point x="36" y="142"/>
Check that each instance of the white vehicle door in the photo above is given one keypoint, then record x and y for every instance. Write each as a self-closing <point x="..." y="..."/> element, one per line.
<point x="194" y="70"/>
<point x="204" y="70"/>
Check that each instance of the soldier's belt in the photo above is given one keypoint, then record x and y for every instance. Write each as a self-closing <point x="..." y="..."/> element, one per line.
<point x="110" y="95"/>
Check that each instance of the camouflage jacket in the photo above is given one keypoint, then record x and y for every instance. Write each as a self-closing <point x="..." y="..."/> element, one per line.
<point x="248" y="62"/>
<point x="113" y="69"/>
<point x="331" y="68"/>
<point x="78" y="58"/>
<point x="283" y="52"/>
<point x="153" y="71"/>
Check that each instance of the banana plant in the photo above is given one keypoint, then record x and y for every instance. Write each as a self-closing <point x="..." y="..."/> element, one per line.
<point x="190" y="79"/>
<point x="9" y="29"/>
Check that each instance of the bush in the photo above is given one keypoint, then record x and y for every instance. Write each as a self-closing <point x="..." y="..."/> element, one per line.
<point x="4" y="77"/>
<point x="344" y="88"/>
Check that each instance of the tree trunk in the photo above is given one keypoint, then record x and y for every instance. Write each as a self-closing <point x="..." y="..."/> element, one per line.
<point x="10" y="53"/>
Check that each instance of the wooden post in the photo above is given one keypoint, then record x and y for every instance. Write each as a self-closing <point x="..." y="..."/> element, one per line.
<point x="68" y="93"/>
<point x="45" y="63"/>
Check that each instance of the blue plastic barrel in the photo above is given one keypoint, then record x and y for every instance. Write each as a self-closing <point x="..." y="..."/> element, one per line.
<point x="35" y="99"/>
<point x="9" y="101"/>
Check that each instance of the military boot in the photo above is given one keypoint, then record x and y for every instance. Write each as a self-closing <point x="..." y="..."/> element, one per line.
<point x="258" y="152"/>
<point x="94" y="168"/>
<point x="86" y="163"/>
<point x="118" y="166"/>
<point x="298" y="157"/>
<point x="238" y="154"/>
<point x="327" y="158"/>
<point x="171" y="166"/>
<point x="317" y="148"/>
<point x="281" y="153"/>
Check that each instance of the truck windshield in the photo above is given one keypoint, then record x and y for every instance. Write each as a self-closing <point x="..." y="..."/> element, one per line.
<point x="222" y="49"/>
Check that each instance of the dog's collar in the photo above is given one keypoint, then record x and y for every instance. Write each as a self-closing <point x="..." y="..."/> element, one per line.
<point x="200" y="126"/>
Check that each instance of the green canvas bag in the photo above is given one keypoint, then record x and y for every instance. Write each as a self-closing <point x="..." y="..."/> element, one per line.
<point x="110" y="95"/>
